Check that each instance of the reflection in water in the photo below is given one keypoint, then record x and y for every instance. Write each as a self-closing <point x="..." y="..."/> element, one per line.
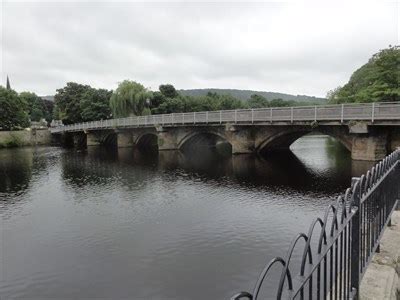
<point x="15" y="171"/>
<point x="118" y="223"/>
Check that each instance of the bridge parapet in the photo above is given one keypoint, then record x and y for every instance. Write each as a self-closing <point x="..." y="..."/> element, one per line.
<point x="370" y="112"/>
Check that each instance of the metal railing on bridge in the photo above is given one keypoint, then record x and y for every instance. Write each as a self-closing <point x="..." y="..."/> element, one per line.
<point x="332" y="265"/>
<point x="342" y="112"/>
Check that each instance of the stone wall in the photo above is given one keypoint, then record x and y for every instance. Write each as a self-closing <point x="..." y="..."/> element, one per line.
<point x="25" y="138"/>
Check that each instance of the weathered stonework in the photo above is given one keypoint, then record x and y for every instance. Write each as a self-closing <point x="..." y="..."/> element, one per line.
<point x="243" y="138"/>
<point x="25" y="138"/>
<point x="369" y="147"/>
<point x="124" y="139"/>
<point x="92" y="139"/>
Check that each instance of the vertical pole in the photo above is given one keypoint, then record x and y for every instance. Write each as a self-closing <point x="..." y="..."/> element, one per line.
<point x="291" y="115"/>
<point x="373" y="112"/>
<point x="194" y="118"/>
<point x="270" y="116"/>
<point x="183" y="118"/>
<point x="162" y="119"/>
<point x="172" y="119"/>
<point x="235" y="116"/>
<point x="207" y="117"/>
<point x="220" y="117"/>
<point x="355" y="239"/>
<point x="342" y="114"/>
<point x="252" y="116"/>
<point x="315" y="113"/>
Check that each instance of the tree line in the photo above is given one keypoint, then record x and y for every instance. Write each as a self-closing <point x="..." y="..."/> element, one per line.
<point x="17" y="111"/>
<point x="377" y="80"/>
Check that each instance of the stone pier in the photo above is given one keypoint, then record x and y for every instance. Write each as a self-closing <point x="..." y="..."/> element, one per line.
<point x="92" y="139"/>
<point x="124" y="139"/>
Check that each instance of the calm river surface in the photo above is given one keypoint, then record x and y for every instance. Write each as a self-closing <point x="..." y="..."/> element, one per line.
<point x="115" y="224"/>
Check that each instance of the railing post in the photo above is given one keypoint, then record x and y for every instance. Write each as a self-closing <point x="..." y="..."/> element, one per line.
<point x="342" y="114"/>
<point x="315" y="113"/>
<point x="194" y="118"/>
<point x="291" y="115"/>
<point x="235" y="116"/>
<point x="355" y="239"/>
<point x="373" y="112"/>
<point x="172" y="119"/>
<point x="220" y="117"/>
<point x="270" y="115"/>
<point x="206" y="117"/>
<point x="252" y="116"/>
<point x="162" y="119"/>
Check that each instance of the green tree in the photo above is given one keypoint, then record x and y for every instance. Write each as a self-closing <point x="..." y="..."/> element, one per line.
<point x="49" y="105"/>
<point x="281" y="103"/>
<point x="13" y="113"/>
<point x="129" y="99"/>
<point x="376" y="81"/>
<point x="172" y="105"/>
<point x="95" y="105"/>
<point x="229" y="102"/>
<point x="168" y="90"/>
<point x="68" y="102"/>
<point x="36" y="107"/>
<point x="257" y="101"/>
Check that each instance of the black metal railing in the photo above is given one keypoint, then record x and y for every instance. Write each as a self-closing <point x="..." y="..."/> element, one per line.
<point x="333" y="262"/>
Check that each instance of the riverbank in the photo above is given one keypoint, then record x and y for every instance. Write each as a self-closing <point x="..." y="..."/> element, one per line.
<point x="381" y="280"/>
<point x="33" y="137"/>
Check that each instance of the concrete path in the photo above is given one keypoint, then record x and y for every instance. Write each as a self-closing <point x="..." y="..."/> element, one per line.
<point x="381" y="280"/>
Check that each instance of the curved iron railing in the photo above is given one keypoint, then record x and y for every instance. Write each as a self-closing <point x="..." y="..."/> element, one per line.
<point x="350" y="231"/>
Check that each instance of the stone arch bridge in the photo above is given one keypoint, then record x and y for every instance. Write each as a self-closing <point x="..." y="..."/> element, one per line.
<point x="368" y="131"/>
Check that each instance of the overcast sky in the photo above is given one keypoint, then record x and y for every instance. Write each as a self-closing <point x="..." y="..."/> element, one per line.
<point x="293" y="47"/>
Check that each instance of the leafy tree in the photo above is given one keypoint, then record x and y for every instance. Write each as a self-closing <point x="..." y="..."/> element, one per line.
<point x="36" y="107"/>
<point x="49" y="105"/>
<point x="257" y="101"/>
<point x="13" y="113"/>
<point x="95" y="104"/>
<point x="281" y="103"/>
<point x="172" y="105"/>
<point x="157" y="99"/>
<point x="168" y="90"/>
<point x="129" y="99"/>
<point x="377" y="80"/>
<point x="229" y="102"/>
<point x="68" y="102"/>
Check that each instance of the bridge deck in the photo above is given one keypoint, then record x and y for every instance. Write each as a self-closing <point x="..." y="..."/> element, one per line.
<point x="384" y="111"/>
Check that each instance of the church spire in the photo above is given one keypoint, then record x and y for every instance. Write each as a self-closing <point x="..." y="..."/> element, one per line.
<point x="8" y="84"/>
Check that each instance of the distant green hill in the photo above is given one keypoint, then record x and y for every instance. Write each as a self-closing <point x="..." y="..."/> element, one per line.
<point x="245" y="95"/>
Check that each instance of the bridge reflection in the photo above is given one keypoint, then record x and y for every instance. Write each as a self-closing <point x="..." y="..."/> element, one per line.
<point x="308" y="169"/>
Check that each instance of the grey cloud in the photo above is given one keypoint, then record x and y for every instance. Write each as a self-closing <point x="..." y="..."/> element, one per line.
<point x="269" y="46"/>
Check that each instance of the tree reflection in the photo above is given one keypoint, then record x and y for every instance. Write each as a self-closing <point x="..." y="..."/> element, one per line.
<point x="15" y="171"/>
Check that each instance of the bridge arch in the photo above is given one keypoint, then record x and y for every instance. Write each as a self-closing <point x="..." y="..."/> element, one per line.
<point x="147" y="141"/>
<point x="203" y="139"/>
<point x="283" y="139"/>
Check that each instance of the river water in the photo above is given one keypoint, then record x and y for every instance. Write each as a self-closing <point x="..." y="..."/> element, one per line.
<point x="118" y="224"/>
